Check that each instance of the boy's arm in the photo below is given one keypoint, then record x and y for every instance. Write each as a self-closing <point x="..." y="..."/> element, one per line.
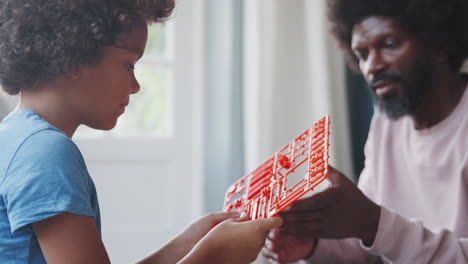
<point x="70" y="238"/>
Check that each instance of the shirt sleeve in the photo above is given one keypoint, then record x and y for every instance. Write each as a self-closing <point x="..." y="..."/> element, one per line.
<point x="46" y="177"/>
<point x="401" y="240"/>
<point x="342" y="251"/>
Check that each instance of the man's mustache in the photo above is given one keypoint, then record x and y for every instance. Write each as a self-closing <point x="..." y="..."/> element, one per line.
<point x="383" y="77"/>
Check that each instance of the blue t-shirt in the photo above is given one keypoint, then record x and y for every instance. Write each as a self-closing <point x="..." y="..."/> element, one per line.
<point x="42" y="174"/>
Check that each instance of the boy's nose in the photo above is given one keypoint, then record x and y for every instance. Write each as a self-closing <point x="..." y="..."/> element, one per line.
<point x="135" y="86"/>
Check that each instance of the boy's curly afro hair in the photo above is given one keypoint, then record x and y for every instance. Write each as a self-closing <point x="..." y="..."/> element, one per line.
<point x="41" y="40"/>
<point x="439" y="24"/>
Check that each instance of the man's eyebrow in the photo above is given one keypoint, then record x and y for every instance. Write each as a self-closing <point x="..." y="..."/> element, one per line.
<point x="137" y="51"/>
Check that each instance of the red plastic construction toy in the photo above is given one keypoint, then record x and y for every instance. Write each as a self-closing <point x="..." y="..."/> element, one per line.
<point x="264" y="192"/>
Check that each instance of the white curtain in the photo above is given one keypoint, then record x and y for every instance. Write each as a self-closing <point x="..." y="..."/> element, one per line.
<point x="293" y="74"/>
<point x="222" y="99"/>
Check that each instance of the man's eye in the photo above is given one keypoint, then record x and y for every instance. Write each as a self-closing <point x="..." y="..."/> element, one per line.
<point x="130" y="67"/>
<point x="360" y="55"/>
<point x="390" y="42"/>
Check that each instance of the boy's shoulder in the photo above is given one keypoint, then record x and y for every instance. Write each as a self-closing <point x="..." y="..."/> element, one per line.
<point x="26" y="137"/>
<point x="23" y="125"/>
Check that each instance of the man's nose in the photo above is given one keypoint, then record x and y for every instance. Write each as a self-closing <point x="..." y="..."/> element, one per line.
<point x="375" y="63"/>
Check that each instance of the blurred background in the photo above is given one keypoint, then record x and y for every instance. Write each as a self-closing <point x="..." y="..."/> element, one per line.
<point x="224" y="85"/>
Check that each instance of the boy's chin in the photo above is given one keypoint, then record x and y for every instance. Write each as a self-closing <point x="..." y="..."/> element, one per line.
<point x="105" y="126"/>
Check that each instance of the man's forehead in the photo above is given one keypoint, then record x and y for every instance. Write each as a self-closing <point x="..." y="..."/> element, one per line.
<point x="373" y="26"/>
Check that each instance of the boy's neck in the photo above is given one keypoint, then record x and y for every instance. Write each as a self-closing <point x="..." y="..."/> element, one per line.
<point x="48" y="103"/>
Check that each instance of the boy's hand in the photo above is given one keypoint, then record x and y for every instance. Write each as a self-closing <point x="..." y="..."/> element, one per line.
<point x="234" y="241"/>
<point x="182" y="244"/>
<point x="200" y="227"/>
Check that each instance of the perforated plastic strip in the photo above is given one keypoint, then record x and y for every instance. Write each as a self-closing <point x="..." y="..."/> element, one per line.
<point x="264" y="192"/>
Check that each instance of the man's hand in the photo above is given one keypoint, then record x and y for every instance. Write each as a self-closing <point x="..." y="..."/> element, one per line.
<point x="281" y="247"/>
<point x="341" y="211"/>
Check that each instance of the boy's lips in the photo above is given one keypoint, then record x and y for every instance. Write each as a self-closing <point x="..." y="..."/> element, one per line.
<point x="123" y="106"/>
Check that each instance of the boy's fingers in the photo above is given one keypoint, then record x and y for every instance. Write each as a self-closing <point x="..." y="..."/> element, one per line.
<point x="270" y="222"/>
<point x="220" y="217"/>
<point x="265" y="224"/>
<point x="243" y="217"/>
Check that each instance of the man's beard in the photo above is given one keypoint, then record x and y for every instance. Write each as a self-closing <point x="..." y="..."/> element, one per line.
<point x="413" y="89"/>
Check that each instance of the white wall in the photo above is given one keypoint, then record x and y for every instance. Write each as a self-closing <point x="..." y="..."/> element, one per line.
<point x="7" y="103"/>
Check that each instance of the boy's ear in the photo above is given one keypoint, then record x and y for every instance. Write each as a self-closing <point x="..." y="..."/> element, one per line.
<point x="75" y="75"/>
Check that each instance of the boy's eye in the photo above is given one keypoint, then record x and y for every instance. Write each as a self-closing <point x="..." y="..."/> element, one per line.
<point x="130" y="67"/>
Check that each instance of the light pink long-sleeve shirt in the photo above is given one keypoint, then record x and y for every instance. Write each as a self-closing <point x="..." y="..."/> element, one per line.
<point x="420" y="178"/>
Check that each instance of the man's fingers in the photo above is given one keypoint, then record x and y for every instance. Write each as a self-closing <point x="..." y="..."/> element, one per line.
<point x="313" y="232"/>
<point x="336" y="177"/>
<point x="291" y="218"/>
<point x="269" y="254"/>
<point x="270" y="245"/>
<point x="314" y="202"/>
<point x="274" y="234"/>
<point x="300" y="229"/>
<point x="275" y="244"/>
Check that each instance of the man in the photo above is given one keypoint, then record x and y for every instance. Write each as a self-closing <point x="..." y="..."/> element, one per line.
<point x="411" y="203"/>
